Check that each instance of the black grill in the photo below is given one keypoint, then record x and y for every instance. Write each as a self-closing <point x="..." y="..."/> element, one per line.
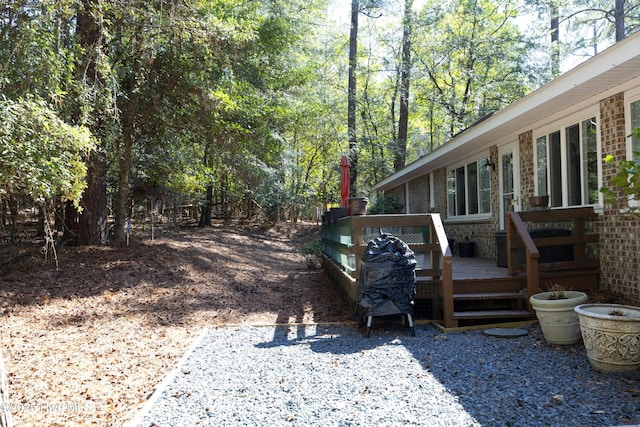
<point x="387" y="280"/>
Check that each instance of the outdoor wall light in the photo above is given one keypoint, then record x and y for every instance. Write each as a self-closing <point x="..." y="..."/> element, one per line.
<point x="490" y="165"/>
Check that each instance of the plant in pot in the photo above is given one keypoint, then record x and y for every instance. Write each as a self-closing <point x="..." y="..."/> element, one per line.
<point x="358" y="205"/>
<point x="611" y="335"/>
<point x="555" y="312"/>
<point x="611" y="332"/>
<point x="539" y="202"/>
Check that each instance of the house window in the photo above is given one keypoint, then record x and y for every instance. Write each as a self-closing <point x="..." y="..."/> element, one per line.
<point x="634" y="111"/>
<point x="567" y="165"/>
<point x="469" y="189"/>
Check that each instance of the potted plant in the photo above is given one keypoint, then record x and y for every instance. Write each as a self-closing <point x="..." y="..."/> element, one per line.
<point x="539" y="202"/>
<point x="358" y="205"/>
<point x="467" y="248"/>
<point x="555" y="312"/>
<point x="611" y="332"/>
<point x="611" y="335"/>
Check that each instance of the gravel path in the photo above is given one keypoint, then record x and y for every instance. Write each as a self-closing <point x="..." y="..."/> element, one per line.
<point x="327" y="375"/>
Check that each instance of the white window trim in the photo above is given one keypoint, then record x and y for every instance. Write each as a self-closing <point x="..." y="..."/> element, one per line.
<point x="629" y="97"/>
<point x="432" y="190"/>
<point x="467" y="217"/>
<point x="561" y="125"/>
<point x="516" y="201"/>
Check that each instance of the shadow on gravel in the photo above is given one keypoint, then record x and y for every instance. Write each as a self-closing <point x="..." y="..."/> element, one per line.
<point x="498" y="381"/>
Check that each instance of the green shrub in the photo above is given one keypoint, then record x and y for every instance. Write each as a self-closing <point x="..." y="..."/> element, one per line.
<point x="626" y="182"/>
<point x="313" y="248"/>
<point x="385" y="204"/>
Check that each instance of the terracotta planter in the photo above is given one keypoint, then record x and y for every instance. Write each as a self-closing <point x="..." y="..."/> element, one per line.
<point x="612" y="341"/>
<point x="358" y="205"/>
<point x="539" y="202"/>
<point x="558" y="320"/>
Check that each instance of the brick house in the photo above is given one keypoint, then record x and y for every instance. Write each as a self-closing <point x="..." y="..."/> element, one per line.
<point x="551" y="142"/>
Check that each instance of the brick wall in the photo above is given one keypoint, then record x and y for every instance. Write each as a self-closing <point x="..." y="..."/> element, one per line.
<point x="527" y="168"/>
<point x="619" y="235"/>
<point x="440" y="190"/>
<point x="419" y="195"/>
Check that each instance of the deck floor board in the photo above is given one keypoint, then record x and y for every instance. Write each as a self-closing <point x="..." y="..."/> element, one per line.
<point x="476" y="268"/>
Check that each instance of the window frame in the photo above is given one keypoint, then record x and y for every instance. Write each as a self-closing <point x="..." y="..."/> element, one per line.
<point x="454" y="175"/>
<point x="560" y="128"/>
<point x="630" y="97"/>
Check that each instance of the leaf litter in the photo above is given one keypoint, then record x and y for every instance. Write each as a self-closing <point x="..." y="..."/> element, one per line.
<point x="88" y="343"/>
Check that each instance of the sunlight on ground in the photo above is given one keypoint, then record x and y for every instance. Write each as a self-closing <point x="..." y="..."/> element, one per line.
<point x="297" y="373"/>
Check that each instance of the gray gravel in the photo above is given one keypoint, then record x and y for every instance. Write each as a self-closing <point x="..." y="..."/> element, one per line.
<point x="333" y="376"/>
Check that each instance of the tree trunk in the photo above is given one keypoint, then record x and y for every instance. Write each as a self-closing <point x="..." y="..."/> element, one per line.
<point x="12" y="205"/>
<point x="555" y="38"/>
<point x="205" y="216"/>
<point x="121" y="213"/>
<point x="225" y="208"/>
<point x="400" y="156"/>
<point x="3" y="213"/>
<point x="5" y="407"/>
<point x="351" y="97"/>
<point x="619" y="20"/>
<point x="91" y="225"/>
<point x="130" y="115"/>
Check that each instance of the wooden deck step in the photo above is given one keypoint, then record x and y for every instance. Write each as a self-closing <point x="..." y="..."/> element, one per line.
<point x="486" y="296"/>
<point x="492" y="314"/>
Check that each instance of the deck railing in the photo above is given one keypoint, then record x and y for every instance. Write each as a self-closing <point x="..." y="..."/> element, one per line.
<point x="344" y="241"/>
<point x="519" y="238"/>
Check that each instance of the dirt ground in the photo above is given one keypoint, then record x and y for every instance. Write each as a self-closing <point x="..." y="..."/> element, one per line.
<point x="87" y="343"/>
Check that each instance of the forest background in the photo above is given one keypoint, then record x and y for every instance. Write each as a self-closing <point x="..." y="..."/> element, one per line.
<point x="113" y="110"/>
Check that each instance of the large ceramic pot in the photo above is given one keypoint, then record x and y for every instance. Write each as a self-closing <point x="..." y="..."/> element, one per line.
<point x="358" y="205"/>
<point x="558" y="320"/>
<point x="611" y="335"/>
<point x="539" y="202"/>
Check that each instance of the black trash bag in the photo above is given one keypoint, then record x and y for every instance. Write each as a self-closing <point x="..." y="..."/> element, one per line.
<point x="388" y="278"/>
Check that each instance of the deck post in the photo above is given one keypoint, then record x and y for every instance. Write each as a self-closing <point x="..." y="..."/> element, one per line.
<point x="532" y="255"/>
<point x="447" y="294"/>
<point x="446" y="271"/>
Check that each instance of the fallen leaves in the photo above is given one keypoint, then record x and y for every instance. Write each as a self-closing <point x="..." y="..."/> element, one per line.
<point x="100" y="333"/>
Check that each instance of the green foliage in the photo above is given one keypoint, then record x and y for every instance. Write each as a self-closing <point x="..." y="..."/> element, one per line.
<point x="42" y="156"/>
<point x="36" y="49"/>
<point x="470" y="55"/>
<point x="626" y="183"/>
<point x="313" y="248"/>
<point x="385" y="204"/>
<point x="247" y="97"/>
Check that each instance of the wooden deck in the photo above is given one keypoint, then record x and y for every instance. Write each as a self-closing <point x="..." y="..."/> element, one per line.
<point x="465" y="268"/>
<point x="460" y="291"/>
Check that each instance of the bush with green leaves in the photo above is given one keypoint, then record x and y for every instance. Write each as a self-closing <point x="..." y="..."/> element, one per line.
<point x="313" y="248"/>
<point x="385" y="204"/>
<point x="42" y="156"/>
<point x="626" y="183"/>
